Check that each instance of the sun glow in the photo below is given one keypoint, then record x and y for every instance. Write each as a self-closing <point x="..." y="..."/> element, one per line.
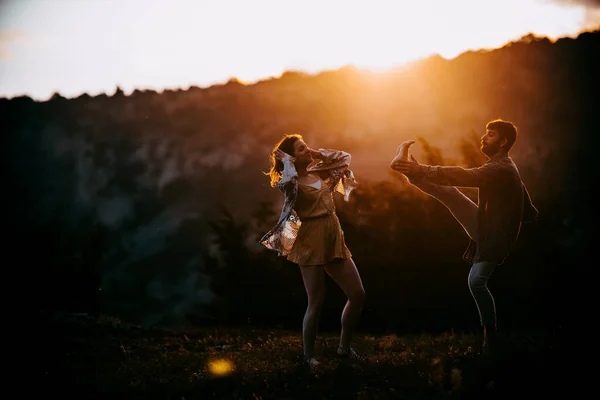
<point x="94" y="45"/>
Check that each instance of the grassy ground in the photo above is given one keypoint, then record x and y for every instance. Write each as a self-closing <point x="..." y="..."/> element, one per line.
<point x="101" y="358"/>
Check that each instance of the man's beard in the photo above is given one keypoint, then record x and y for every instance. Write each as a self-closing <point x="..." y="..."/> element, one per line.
<point x="489" y="150"/>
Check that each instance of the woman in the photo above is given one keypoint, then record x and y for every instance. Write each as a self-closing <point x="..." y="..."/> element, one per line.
<point x="309" y="234"/>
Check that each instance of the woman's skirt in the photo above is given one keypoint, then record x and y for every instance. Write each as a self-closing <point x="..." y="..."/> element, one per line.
<point x="320" y="240"/>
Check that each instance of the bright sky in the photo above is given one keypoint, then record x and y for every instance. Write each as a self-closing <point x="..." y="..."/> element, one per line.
<point x="76" y="46"/>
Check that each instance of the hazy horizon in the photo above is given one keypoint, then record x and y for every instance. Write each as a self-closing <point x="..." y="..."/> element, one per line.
<point x="71" y="47"/>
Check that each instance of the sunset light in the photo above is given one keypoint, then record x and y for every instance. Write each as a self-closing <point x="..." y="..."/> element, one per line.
<point x="427" y="237"/>
<point x="95" y="45"/>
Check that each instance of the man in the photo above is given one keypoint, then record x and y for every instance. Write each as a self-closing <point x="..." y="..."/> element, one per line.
<point x="493" y="225"/>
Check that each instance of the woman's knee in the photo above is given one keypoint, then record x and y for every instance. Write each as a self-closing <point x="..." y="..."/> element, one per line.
<point x="357" y="296"/>
<point x="315" y="302"/>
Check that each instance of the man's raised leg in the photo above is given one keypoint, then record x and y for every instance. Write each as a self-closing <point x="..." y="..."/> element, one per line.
<point x="461" y="207"/>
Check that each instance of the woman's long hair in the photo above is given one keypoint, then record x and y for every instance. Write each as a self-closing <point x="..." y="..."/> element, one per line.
<point x="286" y="144"/>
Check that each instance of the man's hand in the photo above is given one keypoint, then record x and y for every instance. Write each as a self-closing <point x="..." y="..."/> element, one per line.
<point x="408" y="168"/>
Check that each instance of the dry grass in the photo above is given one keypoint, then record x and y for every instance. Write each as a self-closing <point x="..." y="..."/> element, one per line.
<point x="102" y="358"/>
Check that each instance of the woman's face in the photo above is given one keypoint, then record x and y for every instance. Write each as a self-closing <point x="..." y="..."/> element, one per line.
<point x="302" y="151"/>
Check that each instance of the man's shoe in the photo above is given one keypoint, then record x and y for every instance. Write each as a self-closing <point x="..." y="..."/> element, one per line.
<point x="490" y="341"/>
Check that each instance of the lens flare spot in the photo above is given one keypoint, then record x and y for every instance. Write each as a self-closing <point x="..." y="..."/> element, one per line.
<point x="220" y="367"/>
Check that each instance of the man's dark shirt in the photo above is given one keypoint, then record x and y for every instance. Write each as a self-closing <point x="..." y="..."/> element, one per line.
<point x="504" y="203"/>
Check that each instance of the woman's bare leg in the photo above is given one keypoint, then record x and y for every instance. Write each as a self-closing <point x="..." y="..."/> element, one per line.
<point x="314" y="283"/>
<point x="346" y="276"/>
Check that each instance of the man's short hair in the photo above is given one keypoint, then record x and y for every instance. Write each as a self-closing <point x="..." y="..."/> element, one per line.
<point x="507" y="129"/>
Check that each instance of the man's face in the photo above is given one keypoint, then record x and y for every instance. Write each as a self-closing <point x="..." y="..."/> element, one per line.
<point x="491" y="142"/>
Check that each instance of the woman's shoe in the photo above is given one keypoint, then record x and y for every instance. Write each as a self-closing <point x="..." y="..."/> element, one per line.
<point x="350" y="353"/>
<point x="311" y="362"/>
